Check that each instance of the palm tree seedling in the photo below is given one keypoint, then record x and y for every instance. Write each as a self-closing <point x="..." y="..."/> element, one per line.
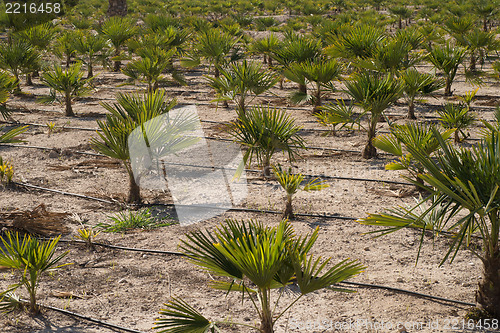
<point x="373" y="93"/>
<point x="447" y="58"/>
<point x="6" y="172"/>
<point x="253" y="259"/>
<point x="465" y="183"/>
<point x="297" y="50"/>
<point x="417" y="84"/>
<point x="358" y="42"/>
<point x="468" y="97"/>
<point x="88" y="235"/>
<point x="266" y="46"/>
<point x="292" y="183"/>
<point x="31" y="259"/>
<point x="68" y="82"/>
<point x="7" y="84"/>
<point x="90" y="48"/>
<point x="402" y="13"/>
<point x="150" y="67"/>
<point x="131" y="112"/>
<point x="418" y="136"/>
<point x="64" y="47"/>
<point x="118" y="31"/>
<point x="456" y="116"/>
<point x="319" y="71"/>
<point x="215" y="46"/>
<point x="19" y="58"/>
<point x="338" y="113"/>
<point x="239" y="81"/>
<point x="39" y="36"/>
<point x="263" y="131"/>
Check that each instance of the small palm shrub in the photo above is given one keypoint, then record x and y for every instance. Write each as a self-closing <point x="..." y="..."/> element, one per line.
<point x="338" y="113"/>
<point x="7" y="84"/>
<point x="64" y="46"/>
<point x="417" y="84"/>
<point x="67" y="82"/>
<point x="19" y="58"/>
<point x="131" y="112"/>
<point x="266" y="46"/>
<point x="254" y="260"/>
<point x="118" y="31"/>
<point x="414" y="135"/>
<point x="456" y="116"/>
<point x="373" y="93"/>
<point x="90" y="49"/>
<point x="292" y="183"/>
<point x="30" y="259"/>
<point x="466" y="199"/>
<point x="263" y="131"/>
<point x="141" y="219"/>
<point x="447" y="58"/>
<point x="239" y="81"/>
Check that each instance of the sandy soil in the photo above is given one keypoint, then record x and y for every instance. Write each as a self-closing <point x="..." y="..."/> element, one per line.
<point x="129" y="288"/>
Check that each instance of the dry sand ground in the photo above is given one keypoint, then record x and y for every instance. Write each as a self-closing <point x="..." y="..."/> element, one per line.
<point x="128" y="288"/>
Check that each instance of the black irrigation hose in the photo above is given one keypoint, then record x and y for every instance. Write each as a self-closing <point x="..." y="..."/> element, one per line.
<point x="376" y="286"/>
<point x="247" y="170"/>
<point x="97" y="321"/>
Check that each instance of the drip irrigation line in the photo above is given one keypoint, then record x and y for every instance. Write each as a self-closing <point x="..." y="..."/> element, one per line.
<point x="96" y="321"/>
<point x="66" y="193"/>
<point x="117" y="247"/>
<point x="48" y="148"/>
<point x="247" y="170"/>
<point x="376" y="286"/>
<point x="235" y="209"/>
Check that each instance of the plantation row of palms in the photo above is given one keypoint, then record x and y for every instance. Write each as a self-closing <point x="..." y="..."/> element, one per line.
<point x="369" y="66"/>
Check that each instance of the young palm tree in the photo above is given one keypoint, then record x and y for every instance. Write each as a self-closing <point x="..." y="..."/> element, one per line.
<point x="67" y="82"/>
<point x="479" y="44"/>
<point x="297" y="50"/>
<point x="263" y="131"/>
<point x="358" y="42"/>
<point x="91" y="48"/>
<point x="486" y="10"/>
<point x="19" y="58"/>
<point x="31" y="259"/>
<point x="402" y="13"/>
<point x="373" y="93"/>
<point x="215" y="46"/>
<point x="319" y="71"/>
<point x="447" y="58"/>
<point x="241" y="80"/>
<point x="131" y="112"/>
<point x="465" y="185"/>
<point x="254" y="260"/>
<point x="457" y="116"/>
<point x="336" y="113"/>
<point x="417" y="84"/>
<point x="267" y="47"/>
<point x="118" y="30"/>
<point x="39" y="36"/>
<point x="418" y="136"/>
<point x="291" y="183"/>
<point x="7" y="84"/>
<point x="64" y="46"/>
<point x="150" y="67"/>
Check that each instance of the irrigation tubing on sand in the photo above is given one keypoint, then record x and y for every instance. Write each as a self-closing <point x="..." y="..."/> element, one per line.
<point x="96" y="321"/>
<point x="213" y="167"/>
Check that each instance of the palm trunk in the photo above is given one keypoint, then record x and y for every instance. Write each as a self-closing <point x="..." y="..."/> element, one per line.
<point x="447" y="89"/>
<point x="411" y="110"/>
<point x="472" y="66"/>
<point x="29" y="82"/>
<point x="269" y="61"/>
<point x="288" y="213"/>
<point x="118" y="63"/>
<point x="400" y="24"/>
<point x="91" y="71"/>
<point x="318" y="101"/>
<point x="457" y="138"/>
<point x="488" y="294"/>
<point x="303" y="88"/>
<point x="266" y="323"/>
<point x="266" y="167"/>
<point x="370" y="151"/>
<point x="485" y="25"/>
<point x="68" y="60"/>
<point x="69" y="107"/>
<point x="134" y="193"/>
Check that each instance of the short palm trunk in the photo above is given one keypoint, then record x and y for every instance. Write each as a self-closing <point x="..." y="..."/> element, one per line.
<point x="488" y="295"/>
<point x="288" y="213"/>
